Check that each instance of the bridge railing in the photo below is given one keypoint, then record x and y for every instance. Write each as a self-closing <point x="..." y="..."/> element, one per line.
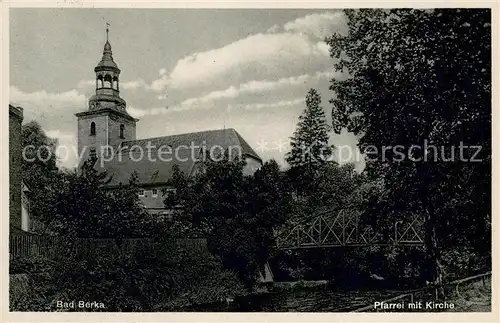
<point x="343" y="228"/>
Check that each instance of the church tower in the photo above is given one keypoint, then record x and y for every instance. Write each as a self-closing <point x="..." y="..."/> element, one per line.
<point x="106" y="123"/>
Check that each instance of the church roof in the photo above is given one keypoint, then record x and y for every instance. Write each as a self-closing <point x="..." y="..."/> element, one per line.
<point x="105" y="62"/>
<point x="183" y="150"/>
<point x="107" y="58"/>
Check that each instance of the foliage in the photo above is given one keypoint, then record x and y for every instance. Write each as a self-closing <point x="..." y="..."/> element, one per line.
<point x="239" y="214"/>
<point x="216" y="287"/>
<point x="422" y="77"/>
<point x="236" y="213"/>
<point x="157" y="276"/>
<point x="309" y="144"/>
<point x="162" y="276"/>
<point x="39" y="162"/>
<point x="472" y="297"/>
<point x="462" y="262"/>
<point x="399" y="267"/>
<point x="29" y="293"/>
<point x="317" y="181"/>
<point x="39" y="169"/>
<point x="75" y="204"/>
<point x="24" y="265"/>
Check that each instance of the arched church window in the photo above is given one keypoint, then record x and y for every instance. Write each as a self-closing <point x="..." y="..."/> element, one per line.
<point x="93" y="152"/>
<point x="92" y="128"/>
<point x="122" y="129"/>
<point x="107" y="81"/>
<point x="115" y="83"/>
<point x="99" y="81"/>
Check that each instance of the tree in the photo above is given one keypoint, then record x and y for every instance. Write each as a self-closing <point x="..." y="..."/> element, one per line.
<point x="153" y="275"/>
<point x="309" y="144"/>
<point x="39" y="159"/>
<point x="79" y="206"/>
<point x="39" y="169"/>
<point x="422" y="78"/>
<point x="236" y="213"/>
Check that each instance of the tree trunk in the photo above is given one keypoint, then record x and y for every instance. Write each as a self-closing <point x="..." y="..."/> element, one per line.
<point x="431" y="241"/>
<point x="432" y="245"/>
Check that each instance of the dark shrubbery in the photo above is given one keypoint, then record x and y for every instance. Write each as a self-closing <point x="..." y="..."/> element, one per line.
<point x="159" y="276"/>
<point x="26" y="265"/>
<point x="353" y="268"/>
<point x="462" y="261"/>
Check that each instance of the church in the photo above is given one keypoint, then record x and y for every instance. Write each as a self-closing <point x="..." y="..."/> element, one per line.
<point x="107" y="133"/>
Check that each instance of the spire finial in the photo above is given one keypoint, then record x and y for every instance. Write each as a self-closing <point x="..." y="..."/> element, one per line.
<point x="107" y="30"/>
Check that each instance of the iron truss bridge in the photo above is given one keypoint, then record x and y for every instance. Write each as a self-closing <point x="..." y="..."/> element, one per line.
<point x="343" y="228"/>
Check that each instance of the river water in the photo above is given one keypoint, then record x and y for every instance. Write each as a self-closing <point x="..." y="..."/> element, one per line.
<point x="306" y="300"/>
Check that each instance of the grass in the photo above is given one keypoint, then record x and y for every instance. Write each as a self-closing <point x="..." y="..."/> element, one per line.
<point x="474" y="297"/>
<point x="466" y="297"/>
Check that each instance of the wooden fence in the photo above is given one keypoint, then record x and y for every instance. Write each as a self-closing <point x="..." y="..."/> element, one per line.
<point x="412" y="295"/>
<point x="55" y="246"/>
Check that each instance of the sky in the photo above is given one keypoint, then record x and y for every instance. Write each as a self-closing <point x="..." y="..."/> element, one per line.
<point x="182" y="70"/>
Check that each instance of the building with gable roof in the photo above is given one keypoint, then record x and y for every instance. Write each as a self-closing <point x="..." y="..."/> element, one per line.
<point x="107" y="133"/>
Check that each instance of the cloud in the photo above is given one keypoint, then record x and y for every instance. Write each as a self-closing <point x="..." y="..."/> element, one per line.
<point x="285" y="82"/>
<point x="193" y="104"/>
<point x="43" y="98"/>
<point x="60" y="135"/>
<point x="265" y="51"/>
<point x="156" y="111"/>
<point x="49" y="109"/>
<point x="67" y="150"/>
<point x="296" y="45"/>
<point x="135" y="84"/>
<point x="129" y="85"/>
<point x="346" y="149"/>
<point x="273" y="29"/>
<point x="255" y="87"/>
<point x="267" y="105"/>
<point x="269" y="70"/>
<point x="319" y="25"/>
<point x="84" y="84"/>
<point x="136" y="113"/>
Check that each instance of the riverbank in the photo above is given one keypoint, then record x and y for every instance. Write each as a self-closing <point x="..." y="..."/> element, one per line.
<point x="466" y="295"/>
<point x="296" y="299"/>
<point x="307" y="296"/>
<point x="475" y="297"/>
<point x="294" y="285"/>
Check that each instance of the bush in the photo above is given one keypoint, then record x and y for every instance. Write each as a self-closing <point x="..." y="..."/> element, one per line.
<point x="217" y="286"/>
<point x="25" y="265"/>
<point x="461" y="262"/>
<point x="151" y="278"/>
<point x="30" y="292"/>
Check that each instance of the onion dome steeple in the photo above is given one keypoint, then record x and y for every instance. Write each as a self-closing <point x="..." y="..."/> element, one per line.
<point x="107" y="55"/>
<point x="107" y="94"/>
